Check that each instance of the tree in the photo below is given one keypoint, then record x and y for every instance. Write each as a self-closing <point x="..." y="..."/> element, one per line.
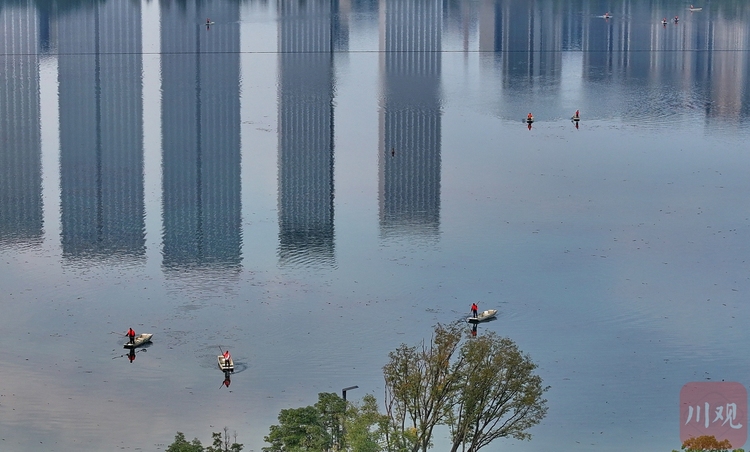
<point x="365" y="426"/>
<point x="331" y="409"/>
<point x="180" y="444"/>
<point x="482" y="388"/>
<point x="706" y="443"/>
<point x="312" y="428"/>
<point x="420" y="382"/>
<point x="498" y="395"/>
<point x="330" y="424"/>
<point x="222" y="444"/>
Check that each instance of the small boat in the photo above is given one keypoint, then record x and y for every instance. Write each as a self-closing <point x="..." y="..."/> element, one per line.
<point x="226" y="366"/>
<point x="483" y="316"/>
<point x="694" y="9"/>
<point x="530" y="119"/>
<point x="575" y="118"/>
<point x="138" y="341"/>
<point x="664" y="22"/>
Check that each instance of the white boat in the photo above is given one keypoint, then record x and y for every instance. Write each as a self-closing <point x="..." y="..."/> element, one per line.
<point x="139" y="340"/>
<point x="226" y="366"/>
<point x="483" y="316"/>
<point x="694" y="9"/>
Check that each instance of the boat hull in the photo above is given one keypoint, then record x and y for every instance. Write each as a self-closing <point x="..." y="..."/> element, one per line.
<point x="139" y="340"/>
<point x="483" y="316"/>
<point x="226" y="366"/>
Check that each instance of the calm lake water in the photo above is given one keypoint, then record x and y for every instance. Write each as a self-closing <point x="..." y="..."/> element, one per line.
<point x="311" y="186"/>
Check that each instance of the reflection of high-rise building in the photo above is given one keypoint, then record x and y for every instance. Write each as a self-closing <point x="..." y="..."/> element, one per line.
<point x="409" y="148"/>
<point x="529" y="35"/>
<point x="460" y="19"/>
<point x="200" y="69"/>
<point x="340" y="16"/>
<point x="729" y="92"/>
<point x="306" y="230"/>
<point x="20" y="132"/>
<point x="101" y="131"/>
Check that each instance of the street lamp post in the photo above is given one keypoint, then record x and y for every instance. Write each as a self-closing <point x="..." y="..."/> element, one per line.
<point x="343" y="391"/>
<point x="343" y="396"/>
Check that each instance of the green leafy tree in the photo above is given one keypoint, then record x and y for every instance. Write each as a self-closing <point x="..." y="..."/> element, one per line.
<point x="307" y="429"/>
<point x="330" y="424"/>
<point x="220" y="444"/>
<point x="365" y="426"/>
<point x="224" y="443"/>
<point x="332" y="410"/>
<point x="180" y="444"/>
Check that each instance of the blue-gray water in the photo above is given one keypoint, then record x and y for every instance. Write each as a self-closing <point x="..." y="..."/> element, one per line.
<point x="310" y="187"/>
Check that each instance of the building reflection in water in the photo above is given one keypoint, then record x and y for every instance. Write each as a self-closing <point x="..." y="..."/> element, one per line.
<point x="410" y="110"/>
<point x="705" y="53"/>
<point x="101" y="131"/>
<point x="528" y="35"/>
<point x="305" y="129"/>
<point x="201" y="135"/>
<point x="20" y="131"/>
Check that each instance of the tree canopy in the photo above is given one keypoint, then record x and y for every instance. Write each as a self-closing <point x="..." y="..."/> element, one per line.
<point x="483" y="388"/>
<point x="707" y="443"/>
<point x="220" y="443"/>
<point x="312" y="428"/>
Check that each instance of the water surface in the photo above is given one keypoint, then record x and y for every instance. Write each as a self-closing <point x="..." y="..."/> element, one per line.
<point x="311" y="187"/>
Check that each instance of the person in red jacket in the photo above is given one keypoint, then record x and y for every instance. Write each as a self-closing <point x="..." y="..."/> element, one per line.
<point x="227" y="357"/>
<point x="474" y="309"/>
<point x="131" y="336"/>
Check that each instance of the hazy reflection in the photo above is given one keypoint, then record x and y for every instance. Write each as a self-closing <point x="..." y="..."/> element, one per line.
<point x="306" y="231"/>
<point x="101" y="131"/>
<point x="530" y="34"/>
<point x="409" y="148"/>
<point x="20" y="132"/>
<point x="704" y="53"/>
<point x="201" y="134"/>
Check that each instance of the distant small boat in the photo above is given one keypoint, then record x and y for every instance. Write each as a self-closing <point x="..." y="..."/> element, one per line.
<point x="664" y="22"/>
<point x="530" y="119"/>
<point x="694" y="9"/>
<point x="575" y="118"/>
<point x="139" y="340"/>
<point x="226" y="366"/>
<point x="483" y="316"/>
